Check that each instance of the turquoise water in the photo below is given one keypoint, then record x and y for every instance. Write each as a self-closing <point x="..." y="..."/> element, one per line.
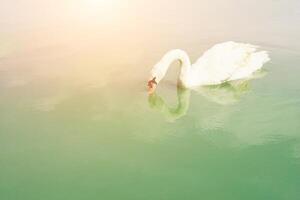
<point x="76" y="121"/>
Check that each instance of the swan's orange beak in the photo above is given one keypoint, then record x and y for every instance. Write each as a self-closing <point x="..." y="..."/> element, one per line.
<point x="152" y="85"/>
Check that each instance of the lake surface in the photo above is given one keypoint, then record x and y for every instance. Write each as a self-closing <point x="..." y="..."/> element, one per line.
<point x="76" y="121"/>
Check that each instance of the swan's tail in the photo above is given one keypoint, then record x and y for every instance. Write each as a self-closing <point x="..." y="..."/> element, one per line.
<point x="258" y="59"/>
<point x="254" y="62"/>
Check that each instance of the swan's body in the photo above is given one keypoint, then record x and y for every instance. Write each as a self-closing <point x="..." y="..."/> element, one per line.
<point x="223" y="62"/>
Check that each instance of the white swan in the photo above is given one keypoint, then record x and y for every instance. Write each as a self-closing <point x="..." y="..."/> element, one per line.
<point x="223" y="62"/>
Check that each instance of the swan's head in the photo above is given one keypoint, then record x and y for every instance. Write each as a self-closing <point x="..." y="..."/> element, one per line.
<point x="152" y="85"/>
<point x="157" y="73"/>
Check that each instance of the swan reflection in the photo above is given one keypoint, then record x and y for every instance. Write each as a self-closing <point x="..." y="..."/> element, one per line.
<point x="171" y="113"/>
<point x="227" y="93"/>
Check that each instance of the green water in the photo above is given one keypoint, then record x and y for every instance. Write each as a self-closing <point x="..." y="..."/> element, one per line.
<point x="76" y="121"/>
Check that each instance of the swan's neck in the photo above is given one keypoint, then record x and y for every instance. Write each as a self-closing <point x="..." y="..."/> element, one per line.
<point x="160" y="70"/>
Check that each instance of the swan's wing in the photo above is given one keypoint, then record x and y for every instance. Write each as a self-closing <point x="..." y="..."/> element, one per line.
<point x="221" y="61"/>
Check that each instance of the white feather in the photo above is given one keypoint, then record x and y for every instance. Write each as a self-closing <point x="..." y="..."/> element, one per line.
<point x="223" y="62"/>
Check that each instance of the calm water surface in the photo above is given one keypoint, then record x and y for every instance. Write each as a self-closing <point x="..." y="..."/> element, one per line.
<point x="76" y="121"/>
